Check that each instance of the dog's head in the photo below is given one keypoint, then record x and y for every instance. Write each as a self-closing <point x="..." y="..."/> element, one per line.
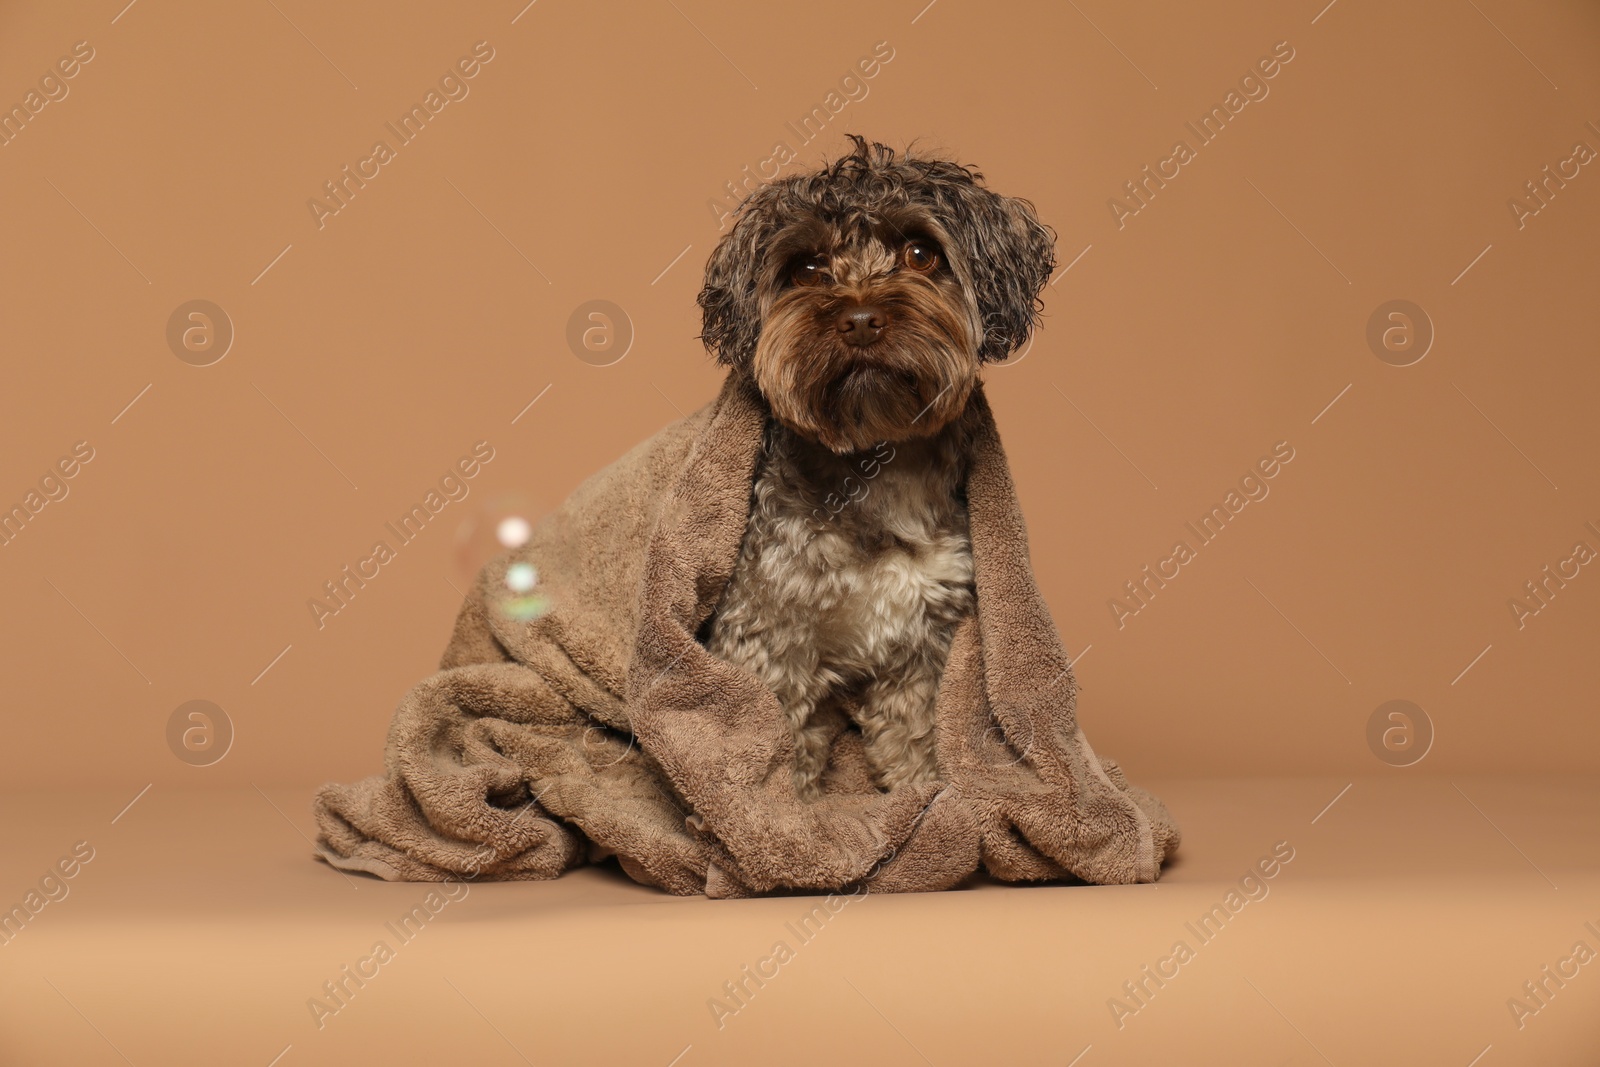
<point x="863" y="297"/>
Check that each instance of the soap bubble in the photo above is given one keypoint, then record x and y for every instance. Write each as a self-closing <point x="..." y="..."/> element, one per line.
<point x="523" y="604"/>
<point x="521" y="577"/>
<point x="513" y="531"/>
<point x="525" y="608"/>
<point x="490" y="525"/>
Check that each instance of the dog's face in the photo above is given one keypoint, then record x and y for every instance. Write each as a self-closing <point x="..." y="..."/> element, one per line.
<point x="862" y="298"/>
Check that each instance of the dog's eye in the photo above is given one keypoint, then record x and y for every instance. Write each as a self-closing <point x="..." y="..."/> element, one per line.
<point x="809" y="271"/>
<point x="920" y="256"/>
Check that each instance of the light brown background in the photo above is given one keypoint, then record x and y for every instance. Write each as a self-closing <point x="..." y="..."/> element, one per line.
<point x="1220" y="320"/>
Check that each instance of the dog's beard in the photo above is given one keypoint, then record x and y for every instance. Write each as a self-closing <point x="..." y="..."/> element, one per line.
<point x="910" y="382"/>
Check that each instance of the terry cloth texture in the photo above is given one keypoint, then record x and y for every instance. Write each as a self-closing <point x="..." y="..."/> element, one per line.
<point x="605" y="727"/>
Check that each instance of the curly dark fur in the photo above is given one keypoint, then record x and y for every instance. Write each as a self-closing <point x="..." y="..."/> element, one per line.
<point x="1000" y="252"/>
<point x="862" y="300"/>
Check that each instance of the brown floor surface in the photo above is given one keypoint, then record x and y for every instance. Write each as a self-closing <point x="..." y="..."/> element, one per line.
<point x="1413" y="910"/>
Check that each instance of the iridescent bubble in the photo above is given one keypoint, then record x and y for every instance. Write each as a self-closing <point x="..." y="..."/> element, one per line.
<point x="521" y="577"/>
<point x="491" y="523"/>
<point x="524" y="608"/>
<point x="513" y="531"/>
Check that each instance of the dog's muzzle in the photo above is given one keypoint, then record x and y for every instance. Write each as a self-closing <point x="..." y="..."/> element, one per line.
<point x="861" y="324"/>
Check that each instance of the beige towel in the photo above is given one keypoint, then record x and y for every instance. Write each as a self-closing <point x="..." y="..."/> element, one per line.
<point x="603" y="727"/>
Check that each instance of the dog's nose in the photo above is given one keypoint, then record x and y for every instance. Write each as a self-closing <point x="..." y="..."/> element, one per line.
<point x="861" y="324"/>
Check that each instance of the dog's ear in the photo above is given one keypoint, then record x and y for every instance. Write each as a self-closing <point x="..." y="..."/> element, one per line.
<point x="730" y="316"/>
<point x="1009" y="256"/>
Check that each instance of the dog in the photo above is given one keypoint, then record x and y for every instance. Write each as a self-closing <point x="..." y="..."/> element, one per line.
<point x="861" y="301"/>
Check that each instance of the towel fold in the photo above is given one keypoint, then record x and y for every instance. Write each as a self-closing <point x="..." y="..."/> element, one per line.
<point x="604" y="727"/>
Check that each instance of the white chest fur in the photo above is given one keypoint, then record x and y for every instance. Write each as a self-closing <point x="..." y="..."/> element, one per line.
<point x="852" y="590"/>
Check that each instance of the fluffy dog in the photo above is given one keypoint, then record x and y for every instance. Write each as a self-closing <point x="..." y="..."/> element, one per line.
<point x="861" y="300"/>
